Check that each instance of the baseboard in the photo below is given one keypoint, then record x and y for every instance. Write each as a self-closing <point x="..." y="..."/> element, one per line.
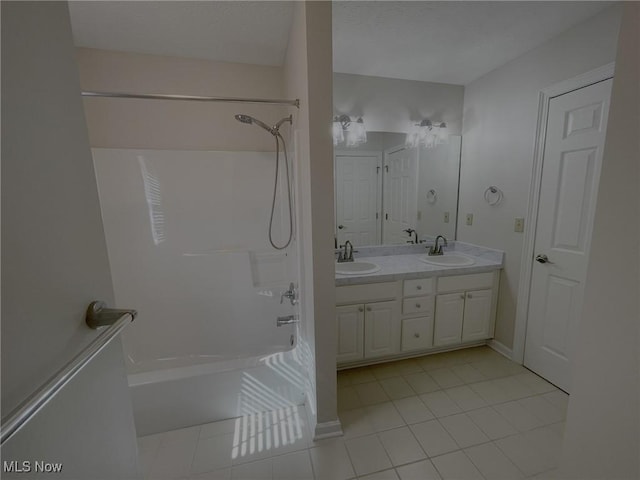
<point x="500" y="348"/>
<point x="327" y="430"/>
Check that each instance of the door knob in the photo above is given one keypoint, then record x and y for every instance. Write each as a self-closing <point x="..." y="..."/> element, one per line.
<point x="542" y="259"/>
<point x="340" y="227"/>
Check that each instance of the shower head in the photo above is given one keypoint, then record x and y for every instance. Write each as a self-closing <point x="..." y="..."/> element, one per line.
<point x="242" y="118"/>
<point x="249" y="120"/>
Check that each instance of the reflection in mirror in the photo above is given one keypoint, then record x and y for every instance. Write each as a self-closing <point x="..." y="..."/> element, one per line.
<point x="386" y="190"/>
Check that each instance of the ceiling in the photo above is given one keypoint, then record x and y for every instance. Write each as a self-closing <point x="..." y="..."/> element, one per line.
<point x="448" y="42"/>
<point x="243" y="32"/>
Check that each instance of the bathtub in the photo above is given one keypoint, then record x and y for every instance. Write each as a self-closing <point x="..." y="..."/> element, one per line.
<point x="177" y="394"/>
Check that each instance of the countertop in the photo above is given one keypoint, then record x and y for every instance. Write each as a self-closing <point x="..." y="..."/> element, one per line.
<point x="407" y="265"/>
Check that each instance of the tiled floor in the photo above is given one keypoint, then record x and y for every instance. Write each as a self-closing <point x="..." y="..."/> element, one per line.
<point x="469" y="414"/>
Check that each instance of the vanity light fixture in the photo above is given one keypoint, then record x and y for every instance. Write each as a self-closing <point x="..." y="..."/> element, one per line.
<point x="427" y="133"/>
<point x="346" y="131"/>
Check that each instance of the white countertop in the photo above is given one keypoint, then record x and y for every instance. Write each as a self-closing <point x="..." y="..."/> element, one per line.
<point x="409" y="266"/>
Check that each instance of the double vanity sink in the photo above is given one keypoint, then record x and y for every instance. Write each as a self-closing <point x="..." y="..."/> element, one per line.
<point x="362" y="267"/>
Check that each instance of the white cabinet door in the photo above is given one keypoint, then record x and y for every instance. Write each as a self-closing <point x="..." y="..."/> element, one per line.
<point x="449" y="315"/>
<point x="382" y="329"/>
<point x="417" y="333"/>
<point x="350" y="323"/>
<point x="477" y="315"/>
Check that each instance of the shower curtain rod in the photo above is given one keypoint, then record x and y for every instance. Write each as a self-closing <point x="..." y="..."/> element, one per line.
<point x="193" y="98"/>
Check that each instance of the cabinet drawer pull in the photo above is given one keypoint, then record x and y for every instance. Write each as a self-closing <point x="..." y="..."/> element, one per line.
<point x="417" y="305"/>
<point x="419" y="287"/>
<point x="462" y="296"/>
<point x="417" y="335"/>
<point x="469" y="295"/>
<point x="368" y="309"/>
<point x="360" y="309"/>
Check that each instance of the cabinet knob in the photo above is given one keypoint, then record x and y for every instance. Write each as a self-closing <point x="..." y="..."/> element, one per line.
<point x="462" y="296"/>
<point x="419" y="287"/>
<point x="360" y="309"/>
<point x="469" y="295"/>
<point x="417" y="305"/>
<point x="417" y="335"/>
<point x="368" y="309"/>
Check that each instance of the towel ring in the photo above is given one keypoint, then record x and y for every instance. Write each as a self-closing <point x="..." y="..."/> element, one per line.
<point x="493" y="195"/>
<point x="432" y="196"/>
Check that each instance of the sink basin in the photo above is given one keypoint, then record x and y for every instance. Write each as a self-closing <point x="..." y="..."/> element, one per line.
<point x="448" y="260"/>
<point x="356" y="268"/>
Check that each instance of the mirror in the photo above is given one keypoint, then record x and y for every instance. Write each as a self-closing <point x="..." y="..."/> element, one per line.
<point x="386" y="189"/>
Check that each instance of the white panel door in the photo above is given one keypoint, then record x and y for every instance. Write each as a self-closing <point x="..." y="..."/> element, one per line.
<point x="400" y="202"/>
<point x="357" y="193"/>
<point x="350" y="324"/>
<point x="576" y="128"/>
<point x="381" y="329"/>
<point x="477" y="315"/>
<point x="449" y="315"/>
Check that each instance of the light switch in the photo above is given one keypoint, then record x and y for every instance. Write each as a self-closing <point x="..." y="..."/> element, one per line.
<point x="518" y="225"/>
<point x="469" y="218"/>
<point x="446" y="217"/>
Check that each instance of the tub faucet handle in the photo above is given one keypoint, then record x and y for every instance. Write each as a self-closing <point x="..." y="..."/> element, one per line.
<point x="290" y="294"/>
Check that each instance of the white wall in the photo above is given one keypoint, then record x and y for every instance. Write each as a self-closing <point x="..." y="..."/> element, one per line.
<point x="308" y="77"/>
<point x="120" y="123"/>
<point x="602" y="436"/>
<point x="393" y="105"/>
<point x="500" y="115"/>
<point x="54" y="259"/>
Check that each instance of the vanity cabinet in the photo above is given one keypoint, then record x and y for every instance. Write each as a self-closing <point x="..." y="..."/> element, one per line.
<point x="465" y="314"/>
<point x="407" y="317"/>
<point x="417" y="314"/>
<point x="350" y="339"/>
<point x="368" y="321"/>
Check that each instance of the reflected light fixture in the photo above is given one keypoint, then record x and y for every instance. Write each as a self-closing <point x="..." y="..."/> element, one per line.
<point x="348" y="132"/>
<point x="427" y="133"/>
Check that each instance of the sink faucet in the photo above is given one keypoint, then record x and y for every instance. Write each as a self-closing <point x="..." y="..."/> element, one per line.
<point x="413" y="233"/>
<point x="437" y="249"/>
<point x="347" y="255"/>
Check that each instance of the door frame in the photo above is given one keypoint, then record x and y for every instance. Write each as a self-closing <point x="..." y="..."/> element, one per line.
<point x="358" y="153"/>
<point x="526" y="260"/>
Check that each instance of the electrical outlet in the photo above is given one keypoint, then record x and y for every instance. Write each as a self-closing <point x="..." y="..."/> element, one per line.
<point x="518" y="225"/>
<point x="446" y="217"/>
<point x="469" y="218"/>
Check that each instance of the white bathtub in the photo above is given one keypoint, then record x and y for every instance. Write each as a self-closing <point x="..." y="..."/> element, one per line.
<point x="177" y="396"/>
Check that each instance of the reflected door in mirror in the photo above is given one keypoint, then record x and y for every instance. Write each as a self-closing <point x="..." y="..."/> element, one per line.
<point x="358" y="198"/>
<point x="400" y="193"/>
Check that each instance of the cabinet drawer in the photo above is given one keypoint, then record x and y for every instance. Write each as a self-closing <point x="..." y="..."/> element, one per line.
<point x="419" y="286"/>
<point x="417" y="305"/>
<point x="465" y="282"/>
<point x="372" y="292"/>
<point x="417" y="333"/>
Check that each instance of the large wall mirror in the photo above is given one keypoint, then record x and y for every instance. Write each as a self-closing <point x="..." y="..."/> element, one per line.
<point x="397" y="130"/>
<point x="386" y="189"/>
